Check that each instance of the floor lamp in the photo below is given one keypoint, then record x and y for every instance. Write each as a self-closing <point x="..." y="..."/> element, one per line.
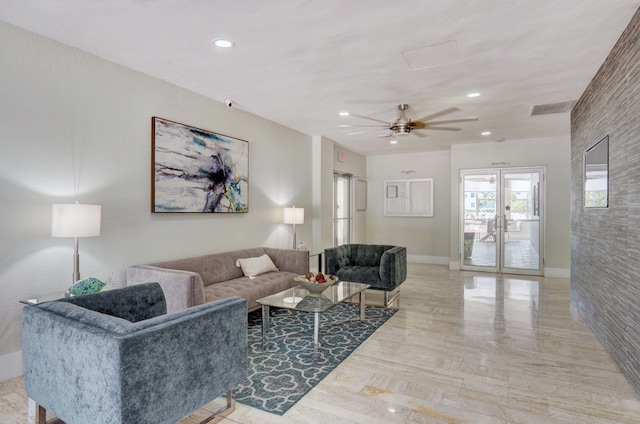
<point x="293" y="216"/>
<point x="75" y="220"/>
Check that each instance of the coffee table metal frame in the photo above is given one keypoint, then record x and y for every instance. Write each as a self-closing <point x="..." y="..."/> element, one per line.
<point x="299" y="299"/>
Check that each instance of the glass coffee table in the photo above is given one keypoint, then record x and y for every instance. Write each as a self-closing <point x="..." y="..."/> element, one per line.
<point x="300" y="299"/>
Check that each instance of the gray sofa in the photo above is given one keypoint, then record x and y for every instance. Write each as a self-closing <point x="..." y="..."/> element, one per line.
<point x="194" y="281"/>
<point x="116" y="356"/>
<point x="384" y="267"/>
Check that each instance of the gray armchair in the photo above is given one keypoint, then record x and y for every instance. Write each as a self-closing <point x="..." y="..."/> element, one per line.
<point x="383" y="267"/>
<point x="117" y="357"/>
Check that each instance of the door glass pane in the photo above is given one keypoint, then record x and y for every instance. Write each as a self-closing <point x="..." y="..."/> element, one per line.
<point x="521" y="220"/>
<point x="341" y="228"/>
<point x="480" y="210"/>
<point x="342" y="197"/>
<point x="341" y="209"/>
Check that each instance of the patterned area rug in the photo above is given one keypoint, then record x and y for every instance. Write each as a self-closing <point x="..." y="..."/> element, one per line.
<point x="290" y="366"/>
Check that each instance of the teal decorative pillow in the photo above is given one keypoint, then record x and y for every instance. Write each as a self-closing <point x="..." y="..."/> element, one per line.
<point x="86" y="285"/>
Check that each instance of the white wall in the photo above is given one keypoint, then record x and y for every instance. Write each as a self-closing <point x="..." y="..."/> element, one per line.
<point x="322" y="193"/>
<point x="426" y="238"/>
<point x="356" y="165"/>
<point x="73" y="126"/>
<point x="435" y="240"/>
<point x="325" y="163"/>
<point x="555" y="155"/>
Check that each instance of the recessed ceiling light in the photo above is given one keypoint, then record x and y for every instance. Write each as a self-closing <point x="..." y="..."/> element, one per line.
<point x="393" y="141"/>
<point x="225" y="44"/>
<point x="344" y="126"/>
<point x="344" y="113"/>
<point x="473" y="94"/>
<point x="486" y="132"/>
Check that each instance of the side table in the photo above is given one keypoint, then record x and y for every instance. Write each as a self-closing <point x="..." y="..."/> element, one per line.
<point x="44" y="298"/>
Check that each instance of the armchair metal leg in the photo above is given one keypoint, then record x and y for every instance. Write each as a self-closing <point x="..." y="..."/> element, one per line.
<point x="388" y="302"/>
<point x="222" y="412"/>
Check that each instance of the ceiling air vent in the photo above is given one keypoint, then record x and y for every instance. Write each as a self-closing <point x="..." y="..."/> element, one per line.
<point x="562" y="107"/>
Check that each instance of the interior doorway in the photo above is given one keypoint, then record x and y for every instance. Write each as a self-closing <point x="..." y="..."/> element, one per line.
<point x="502" y="220"/>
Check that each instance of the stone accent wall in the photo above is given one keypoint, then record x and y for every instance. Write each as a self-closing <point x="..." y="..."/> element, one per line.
<point x="605" y="243"/>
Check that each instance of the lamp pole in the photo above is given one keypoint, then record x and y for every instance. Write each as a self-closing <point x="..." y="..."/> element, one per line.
<point x="76" y="262"/>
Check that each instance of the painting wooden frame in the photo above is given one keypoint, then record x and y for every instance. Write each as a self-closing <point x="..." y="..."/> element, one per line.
<point x="196" y="170"/>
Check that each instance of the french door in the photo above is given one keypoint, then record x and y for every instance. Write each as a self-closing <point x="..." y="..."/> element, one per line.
<point x="502" y="220"/>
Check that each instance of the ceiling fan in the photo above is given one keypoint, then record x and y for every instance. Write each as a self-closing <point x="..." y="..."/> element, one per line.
<point x="405" y="126"/>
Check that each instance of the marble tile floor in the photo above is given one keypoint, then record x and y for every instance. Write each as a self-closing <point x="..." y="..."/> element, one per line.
<point x="464" y="348"/>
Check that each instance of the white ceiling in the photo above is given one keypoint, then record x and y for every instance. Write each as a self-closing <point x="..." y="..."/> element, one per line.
<point x="299" y="63"/>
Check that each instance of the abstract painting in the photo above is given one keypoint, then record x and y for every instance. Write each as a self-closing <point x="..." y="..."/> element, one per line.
<point x="195" y="170"/>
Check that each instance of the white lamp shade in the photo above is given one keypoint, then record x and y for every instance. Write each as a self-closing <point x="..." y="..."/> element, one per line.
<point x="293" y="215"/>
<point x="74" y="220"/>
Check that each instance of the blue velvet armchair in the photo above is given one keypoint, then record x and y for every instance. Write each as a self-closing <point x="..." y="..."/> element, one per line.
<point x="117" y="357"/>
<point x="383" y="267"/>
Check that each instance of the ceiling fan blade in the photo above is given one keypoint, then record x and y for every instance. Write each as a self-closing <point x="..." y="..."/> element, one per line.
<point x="452" y="121"/>
<point x="442" y="128"/>
<point x="419" y="134"/>
<point x="384" y="135"/>
<point x="438" y="114"/>
<point x="367" y="126"/>
<point x="370" y="119"/>
<point x="358" y="132"/>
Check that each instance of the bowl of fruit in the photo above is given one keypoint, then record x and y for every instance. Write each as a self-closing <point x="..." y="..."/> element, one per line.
<point x="316" y="283"/>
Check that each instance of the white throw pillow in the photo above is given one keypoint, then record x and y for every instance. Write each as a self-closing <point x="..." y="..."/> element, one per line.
<point x="256" y="266"/>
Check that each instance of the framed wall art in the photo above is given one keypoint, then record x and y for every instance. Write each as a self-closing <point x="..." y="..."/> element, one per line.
<point x="195" y="170"/>
<point x="409" y="197"/>
<point x="596" y="175"/>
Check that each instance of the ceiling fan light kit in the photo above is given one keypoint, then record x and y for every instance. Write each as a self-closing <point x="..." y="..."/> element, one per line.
<point x="401" y="131"/>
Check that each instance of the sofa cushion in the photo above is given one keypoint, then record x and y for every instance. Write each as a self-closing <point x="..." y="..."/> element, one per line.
<point x="256" y="266"/>
<point x="251" y="289"/>
<point x="215" y="267"/>
<point x="370" y="274"/>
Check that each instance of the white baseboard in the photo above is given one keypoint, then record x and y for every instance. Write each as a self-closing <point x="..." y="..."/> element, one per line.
<point x="10" y="366"/>
<point x="423" y="259"/>
<point x="548" y="272"/>
<point x="557" y="272"/>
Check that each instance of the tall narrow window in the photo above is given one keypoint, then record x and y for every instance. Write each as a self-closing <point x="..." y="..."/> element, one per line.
<point x="342" y="215"/>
